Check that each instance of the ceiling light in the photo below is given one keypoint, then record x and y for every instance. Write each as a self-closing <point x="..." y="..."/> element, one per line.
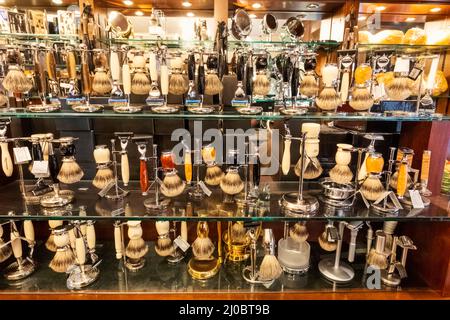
<point x="362" y="18"/>
<point x="128" y="2"/>
<point x="380" y="8"/>
<point x="57" y="1"/>
<point x="410" y="19"/>
<point x="186" y="4"/>
<point x="313" y="6"/>
<point x="252" y="16"/>
<point x="256" y="5"/>
<point x="112" y="14"/>
<point x="190" y="14"/>
<point x="2" y="1"/>
<point x="434" y="10"/>
<point x="139" y="13"/>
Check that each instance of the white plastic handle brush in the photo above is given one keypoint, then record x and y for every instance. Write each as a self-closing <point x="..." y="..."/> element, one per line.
<point x="286" y="161"/>
<point x="184" y="231"/>
<point x="164" y="80"/>
<point x="7" y="164"/>
<point x="115" y="66"/>
<point x="162" y="227"/>
<point x="16" y="244"/>
<point x="152" y="67"/>
<point x="345" y="85"/>
<point x="118" y="241"/>
<point x="90" y="236"/>
<point x="125" y="168"/>
<point x="126" y="79"/>
<point x="72" y="237"/>
<point x="28" y="230"/>
<point x="80" y="251"/>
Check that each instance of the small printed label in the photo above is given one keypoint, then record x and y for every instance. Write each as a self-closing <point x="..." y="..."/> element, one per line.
<point x="117" y="102"/>
<point x="205" y="188"/>
<point x="192" y="103"/>
<point x="40" y="169"/>
<point x="180" y="243"/>
<point x="65" y="85"/>
<point x="154" y="102"/>
<point x="75" y="100"/>
<point x="21" y="155"/>
<point x="239" y="103"/>
<point x="416" y="199"/>
<point x="117" y="212"/>
<point x="401" y="65"/>
<point x="105" y="190"/>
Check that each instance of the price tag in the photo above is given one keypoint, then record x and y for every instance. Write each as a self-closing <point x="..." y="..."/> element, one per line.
<point x="401" y="65"/>
<point x="415" y="72"/>
<point x="204" y="188"/>
<point x="192" y="102"/>
<point x="105" y="190"/>
<point x="40" y="169"/>
<point x="154" y="102"/>
<point x="21" y="155"/>
<point x="416" y="199"/>
<point x="180" y="243"/>
<point x="117" y="212"/>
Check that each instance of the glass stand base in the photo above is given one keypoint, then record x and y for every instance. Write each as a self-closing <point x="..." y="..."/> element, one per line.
<point x="13" y="272"/>
<point x="134" y="264"/>
<point x="78" y="279"/>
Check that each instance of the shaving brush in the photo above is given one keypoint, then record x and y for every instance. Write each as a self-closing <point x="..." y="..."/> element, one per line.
<point x="399" y="88"/>
<point x="328" y="98"/>
<point x="104" y="174"/>
<point x="16" y="81"/>
<point x="232" y="183"/>
<point x="64" y="257"/>
<point x="326" y="242"/>
<point x="5" y="250"/>
<point x="203" y="247"/>
<point x="172" y="185"/>
<point x="140" y="84"/>
<point x="270" y="267"/>
<point x="378" y="256"/>
<point x="136" y="247"/>
<point x="213" y="85"/>
<point x="309" y="85"/>
<point x="50" y="243"/>
<point x="163" y="246"/>
<point x="312" y="167"/>
<point x="238" y="232"/>
<point x="101" y="84"/>
<point x="214" y="175"/>
<point x="341" y="173"/>
<point x="372" y="188"/>
<point x="177" y="83"/>
<point x="298" y="232"/>
<point x="70" y="172"/>
<point x="261" y="84"/>
<point x="361" y="98"/>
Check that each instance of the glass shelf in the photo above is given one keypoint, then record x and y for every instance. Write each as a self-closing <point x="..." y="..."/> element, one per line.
<point x="226" y="115"/>
<point x="46" y="37"/>
<point x="213" y="208"/>
<point x="402" y="47"/>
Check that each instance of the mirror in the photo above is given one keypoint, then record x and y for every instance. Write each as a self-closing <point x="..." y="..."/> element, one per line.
<point x="269" y="23"/>
<point x="119" y="25"/>
<point x="241" y="25"/>
<point x="294" y="27"/>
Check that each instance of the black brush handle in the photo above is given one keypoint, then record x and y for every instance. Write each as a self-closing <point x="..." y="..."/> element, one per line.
<point x="201" y="80"/>
<point x="36" y="152"/>
<point x="191" y="67"/>
<point x="248" y="80"/>
<point x="240" y="68"/>
<point x="256" y="171"/>
<point x="287" y="68"/>
<point x="310" y="64"/>
<point x="295" y="81"/>
<point x="212" y="62"/>
<point x="53" y="167"/>
<point x="261" y="63"/>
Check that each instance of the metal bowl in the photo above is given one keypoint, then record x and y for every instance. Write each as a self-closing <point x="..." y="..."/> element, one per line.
<point x="337" y="191"/>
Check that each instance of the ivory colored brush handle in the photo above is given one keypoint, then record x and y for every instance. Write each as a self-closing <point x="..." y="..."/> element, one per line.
<point x="115" y="66"/>
<point x="164" y="80"/>
<point x="72" y="237"/>
<point x="352" y="246"/>
<point x="118" y="241"/>
<point x="90" y="236"/>
<point x="7" y="164"/>
<point x="188" y="166"/>
<point x="125" y="168"/>
<point x="286" y="161"/>
<point x="16" y="245"/>
<point x="28" y="230"/>
<point x="152" y="67"/>
<point x="369" y="240"/>
<point x="143" y="176"/>
<point x="184" y="231"/>
<point x="345" y="85"/>
<point x="83" y="229"/>
<point x="80" y="250"/>
<point x="71" y="65"/>
<point x="126" y="79"/>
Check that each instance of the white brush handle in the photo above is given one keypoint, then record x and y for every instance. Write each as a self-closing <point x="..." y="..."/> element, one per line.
<point x="164" y="80"/>
<point x="72" y="237"/>
<point x="80" y="250"/>
<point x="28" y="230"/>
<point x="126" y="79"/>
<point x="16" y="245"/>
<point x="118" y="242"/>
<point x="152" y="67"/>
<point x="90" y="236"/>
<point x="184" y="231"/>
<point x="7" y="164"/>
<point x="352" y="246"/>
<point x="344" y="86"/>
<point x="125" y="168"/>
<point x="162" y="227"/>
<point x="83" y="229"/>
<point x="55" y="223"/>
<point x="286" y="161"/>
<point x="115" y="66"/>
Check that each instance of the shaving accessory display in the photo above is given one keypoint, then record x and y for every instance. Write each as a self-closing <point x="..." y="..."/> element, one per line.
<point x="164" y="245"/>
<point x="240" y="99"/>
<point x="136" y="248"/>
<point x="124" y="139"/>
<point x="244" y="105"/>
<point x="309" y="85"/>
<point x="427" y="106"/>
<point x="104" y="178"/>
<point x="328" y="99"/>
<point x="293" y="249"/>
<point x="172" y="185"/>
<point x="194" y="97"/>
<point x="312" y="168"/>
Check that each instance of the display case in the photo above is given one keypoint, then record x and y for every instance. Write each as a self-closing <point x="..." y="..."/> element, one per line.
<point x="230" y="187"/>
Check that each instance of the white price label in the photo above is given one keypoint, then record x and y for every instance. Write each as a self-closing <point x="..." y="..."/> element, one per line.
<point x="21" y="155"/>
<point x="40" y="169"/>
<point x="180" y="243"/>
<point x="416" y="199"/>
<point x="205" y="188"/>
<point x="401" y="65"/>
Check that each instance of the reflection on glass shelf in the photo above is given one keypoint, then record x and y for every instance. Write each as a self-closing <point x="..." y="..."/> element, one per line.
<point x="401" y="47"/>
<point x="213" y="208"/>
<point x="229" y="114"/>
<point x="30" y="36"/>
<point x="158" y="276"/>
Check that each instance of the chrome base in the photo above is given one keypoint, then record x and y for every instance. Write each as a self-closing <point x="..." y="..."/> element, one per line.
<point x="294" y="271"/>
<point x="201" y="110"/>
<point x="150" y="204"/>
<point x="391" y="280"/>
<point x="250" y="110"/>
<point x="13" y="272"/>
<point x="388" y="209"/>
<point x="87" y="108"/>
<point x="165" y="109"/>
<point x="52" y="200"/>
<point x="128" y="109"/>
<point x="336" y="203"/>
<point x="44" y="108"/>
<point x="293" y="207"/>
<point x="176" y="257"/>
<point x="117" y="196"/>
<point x="78" y="279"/>
<point x="292" y="111"/>
<point x="247" y="275"/>
<point x="134" y="265"/>
<point x="344" y="273"/>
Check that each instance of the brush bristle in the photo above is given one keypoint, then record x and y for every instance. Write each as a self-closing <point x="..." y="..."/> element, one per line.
<point x="164" y="247"/>
<point x="325" y="244"/>
<point x="140" y="84"/>
<point x="372" y="188"/>
<point x="377" y="259"/>
<point x="62" y="260"/>
<point x="70" y="172"/>
<point x="394" y="180"/>
<point x="172" y="185"/>
<point x="309" y="86"/>
<point x="341" y="174"/>
<point x="261" y="85"/>
<point x="136" y="249"/>
<point x="177" y="84"/>
<point x="50" y="243"/>
<point x="17" y="81"/>
<point x="232" y="183"/>
<point x="361" y="99"/>
<point x="101" y="83"/>
<point x="328" y="99"/>
<point x="213" y="175"/>
<point x="270" y="268"/>
<point x="103" y="177"/>
<point x="313" y="169"/>
<point x="213" y="85"/>
<point x="203" y="248"/>
<point x="238" y="233"/>
<point x="299" y="232"/>
<point x="399" y="88"/>
<point x="5" y="252"/>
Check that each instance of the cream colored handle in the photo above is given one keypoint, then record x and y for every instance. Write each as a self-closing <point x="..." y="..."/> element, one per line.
<point x="125" y="169"/>
<point x="7" y="164"/>
<point x="164" y="80"/>
<point x="28" y="230"/>
<point x="286" y="161"/>
<point x="184" y="231"/>
<point x="152" y="67"/>
<point x="90" y="236"/>
<point x="118" y="241"/>
<point x="115" y="66"/>
<point x="363" y="170"/>
<point x="16" y="245"/>
<point x="72" y="237"/>
<point x="345" y="86"/>
<point x="126" y="79"/>
<point x="83" y="228"/>
<point x="80" y="250"/>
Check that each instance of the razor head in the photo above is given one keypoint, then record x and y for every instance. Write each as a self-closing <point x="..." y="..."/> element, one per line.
<point x="142" y="139"/>
<point x="124" y="135"/>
